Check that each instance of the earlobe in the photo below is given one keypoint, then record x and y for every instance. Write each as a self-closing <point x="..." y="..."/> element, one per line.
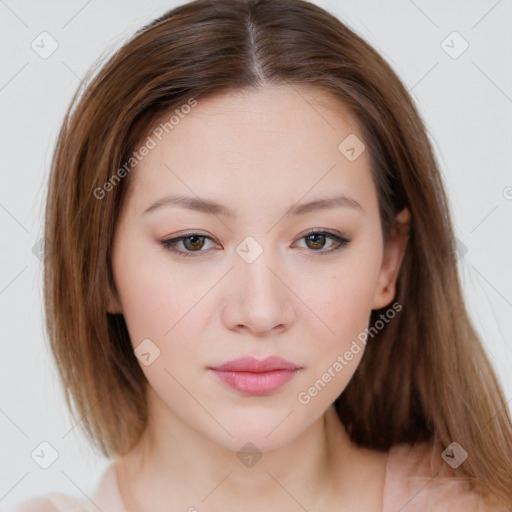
<point x="393" y="255"/>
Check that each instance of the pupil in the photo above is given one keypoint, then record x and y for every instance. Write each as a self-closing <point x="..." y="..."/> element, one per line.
<point x="317" y="235"/>
<point x="194" y="244"/>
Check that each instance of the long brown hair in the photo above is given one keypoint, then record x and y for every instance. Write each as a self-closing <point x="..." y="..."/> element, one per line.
<point x="424" y="376"/>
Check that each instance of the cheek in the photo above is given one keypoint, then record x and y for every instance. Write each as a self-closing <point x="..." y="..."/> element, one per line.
<point x="348" y="292"/>
<point x="156" y="300"/>
<point x="345" y="307"/>
<point x="162" y="310"/>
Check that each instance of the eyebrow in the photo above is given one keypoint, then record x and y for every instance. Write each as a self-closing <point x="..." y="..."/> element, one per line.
<point x="213" y="208"/>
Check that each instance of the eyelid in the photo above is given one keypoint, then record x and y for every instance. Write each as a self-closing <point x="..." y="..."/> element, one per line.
<point x="313" y="231"/>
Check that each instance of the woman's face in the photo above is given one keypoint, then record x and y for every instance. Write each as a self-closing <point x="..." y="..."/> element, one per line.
<point x="251" y="280"/>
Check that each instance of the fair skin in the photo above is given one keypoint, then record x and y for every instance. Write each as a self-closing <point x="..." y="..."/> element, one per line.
<point x="258" y="153"/>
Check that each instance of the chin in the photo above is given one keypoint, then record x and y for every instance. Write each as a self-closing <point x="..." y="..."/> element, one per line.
<point x="254" y="440"/>
<point x="265" y="427"/>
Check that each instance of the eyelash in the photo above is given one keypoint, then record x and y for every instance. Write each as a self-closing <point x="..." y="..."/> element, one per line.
<point x="171" y="242"/>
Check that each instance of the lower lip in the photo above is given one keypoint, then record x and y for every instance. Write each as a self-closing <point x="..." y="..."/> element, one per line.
<point x="252" y="383"/>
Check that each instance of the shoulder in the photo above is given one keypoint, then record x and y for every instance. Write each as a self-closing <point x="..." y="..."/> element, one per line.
<point x="418" y="479"/>
<point x="53" y="502"/>
<point x="106" y="497"/>
<point x="36" y="504"/>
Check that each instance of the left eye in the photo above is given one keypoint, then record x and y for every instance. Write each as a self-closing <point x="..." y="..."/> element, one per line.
<point x="194" y="242"/>
<point x="316" y="238"/>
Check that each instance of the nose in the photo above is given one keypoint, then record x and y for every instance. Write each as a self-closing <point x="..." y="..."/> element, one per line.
<point x="259" y="300"/>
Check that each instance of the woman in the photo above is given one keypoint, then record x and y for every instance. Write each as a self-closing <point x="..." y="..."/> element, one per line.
<point x="251" y="288"/>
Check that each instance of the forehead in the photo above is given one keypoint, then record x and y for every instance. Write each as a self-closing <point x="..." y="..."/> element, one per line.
<point x="290" y="111"/>
<point x="288" y="139"/>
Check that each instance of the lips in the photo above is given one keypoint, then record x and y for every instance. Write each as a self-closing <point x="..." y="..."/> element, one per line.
<point x="251" y="376"/>
<point x="250" y="364"/>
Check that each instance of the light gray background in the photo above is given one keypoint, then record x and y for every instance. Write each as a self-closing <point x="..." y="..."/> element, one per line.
<point x="466" y="103"/>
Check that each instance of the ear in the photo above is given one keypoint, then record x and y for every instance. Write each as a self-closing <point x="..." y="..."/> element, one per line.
<point x="394" y="252"/>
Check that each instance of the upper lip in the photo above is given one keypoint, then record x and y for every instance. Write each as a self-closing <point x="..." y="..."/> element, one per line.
<point x="250" y="364"/>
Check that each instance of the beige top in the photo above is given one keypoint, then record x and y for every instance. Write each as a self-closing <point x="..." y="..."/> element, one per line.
<point x="410" y="486"/>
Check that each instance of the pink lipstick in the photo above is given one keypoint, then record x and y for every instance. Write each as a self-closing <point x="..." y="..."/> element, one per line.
<point x="256" y="377"/>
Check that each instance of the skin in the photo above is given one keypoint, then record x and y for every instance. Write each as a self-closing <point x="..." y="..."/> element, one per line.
<point x="258" y="153"/>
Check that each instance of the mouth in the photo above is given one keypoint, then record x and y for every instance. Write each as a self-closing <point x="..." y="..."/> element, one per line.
<point x="255" y="377"/>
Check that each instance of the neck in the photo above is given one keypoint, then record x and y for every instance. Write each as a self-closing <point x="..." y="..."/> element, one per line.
<point x="176" y="465"/>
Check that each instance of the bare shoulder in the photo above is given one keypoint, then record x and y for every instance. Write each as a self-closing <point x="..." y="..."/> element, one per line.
<point x="418" y="477"/>
<point x="53" y="502"/>
<point x="36" y="504"/>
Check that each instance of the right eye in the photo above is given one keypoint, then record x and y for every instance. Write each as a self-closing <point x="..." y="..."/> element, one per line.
<point x="192" y="242"/>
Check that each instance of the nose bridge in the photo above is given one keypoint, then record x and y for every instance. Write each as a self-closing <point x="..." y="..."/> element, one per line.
<point x="260" y="299"/>
<point x="257" y="275"/>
